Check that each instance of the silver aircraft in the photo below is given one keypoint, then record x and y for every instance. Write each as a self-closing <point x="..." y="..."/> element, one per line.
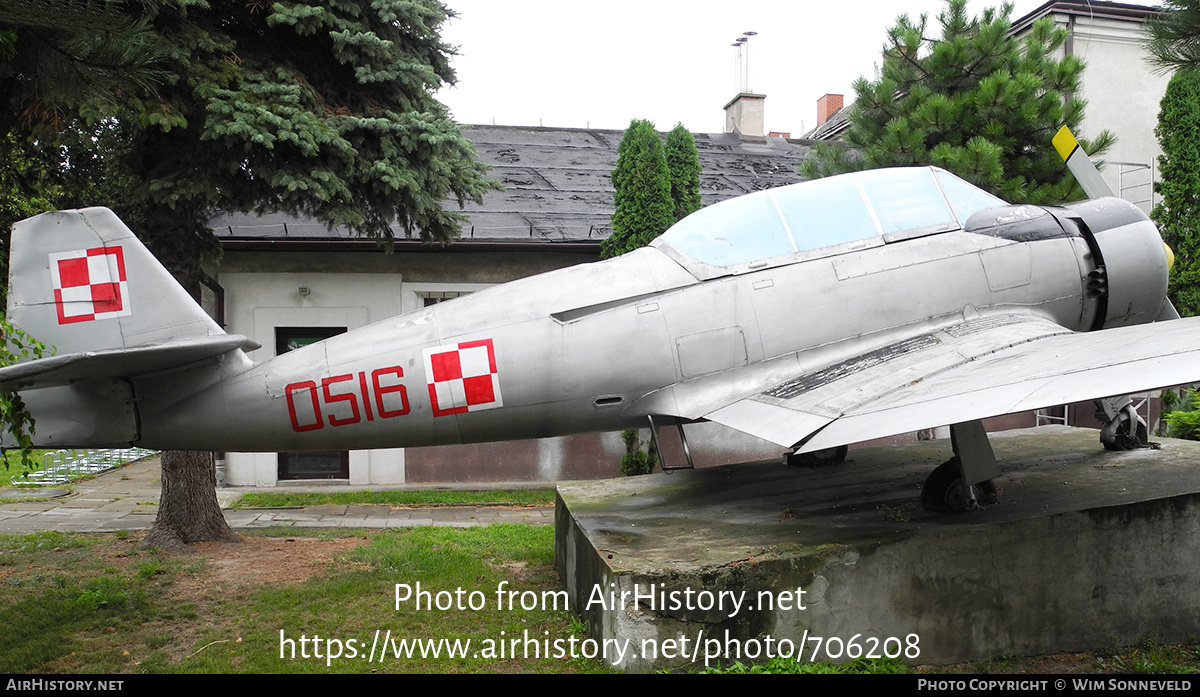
<point x="813" y="316"/>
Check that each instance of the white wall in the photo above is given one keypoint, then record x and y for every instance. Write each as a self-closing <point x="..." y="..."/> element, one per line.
<point x="1123" y="92"/>
<point x="257" y="303"/>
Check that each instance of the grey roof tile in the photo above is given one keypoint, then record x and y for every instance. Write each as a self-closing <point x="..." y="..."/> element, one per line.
<point x="556" y="185"/>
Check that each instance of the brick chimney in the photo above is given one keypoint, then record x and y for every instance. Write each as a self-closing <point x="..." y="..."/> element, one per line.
<point x="826" y="106"/>
<point x="744" y="115"/>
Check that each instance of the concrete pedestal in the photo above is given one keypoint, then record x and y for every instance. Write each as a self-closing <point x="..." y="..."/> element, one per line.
<point x="1085" y="549"/>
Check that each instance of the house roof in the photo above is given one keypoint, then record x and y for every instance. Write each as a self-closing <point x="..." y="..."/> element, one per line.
<point x="556" y="189"/>
<point x="832" y="127"/>
<point x="1095" y="9"/>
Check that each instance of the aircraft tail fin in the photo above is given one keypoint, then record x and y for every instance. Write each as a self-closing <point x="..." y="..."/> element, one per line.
<point x="81" y="281"/>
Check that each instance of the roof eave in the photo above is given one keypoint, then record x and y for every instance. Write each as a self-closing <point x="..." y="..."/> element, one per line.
<point x="234" y="244"/>
<point x="1094" y="9"/>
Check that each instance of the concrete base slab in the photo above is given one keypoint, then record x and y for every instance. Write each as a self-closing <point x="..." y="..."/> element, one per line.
<point x="1085" y="549"/>
<point x="32" y="492"/>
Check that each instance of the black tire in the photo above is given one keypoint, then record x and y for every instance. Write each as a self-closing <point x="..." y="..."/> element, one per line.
<point x="1122" y="440"/>
<point x="818" y="458"/>
<point x="943" y="490"/>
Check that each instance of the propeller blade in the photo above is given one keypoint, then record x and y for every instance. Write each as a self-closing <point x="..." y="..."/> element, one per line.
<point x="1080" y="165"/>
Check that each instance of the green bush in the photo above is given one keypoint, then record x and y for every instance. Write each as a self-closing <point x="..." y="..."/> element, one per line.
<point x="641" y="191"/>
<point x="637" y="461"/>
<point x="1178" y="211"/>
<point x="1184" y="420"/>
<point x="683" y="163"/>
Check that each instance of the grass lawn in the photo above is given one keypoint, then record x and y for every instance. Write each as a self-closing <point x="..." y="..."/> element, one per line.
<point x="289" y="600"/>
<point x="15" y="468"/>
<point x="98" y="604"/>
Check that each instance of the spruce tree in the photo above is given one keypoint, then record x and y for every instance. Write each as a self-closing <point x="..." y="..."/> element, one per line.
<point x="684" y="166"/>
<point x="975" y="101"/>
<point x="323" y="109"/>
<point x="642" y="191"/>
<point x="1178" y="213"/>
<point x="58" y="54"/>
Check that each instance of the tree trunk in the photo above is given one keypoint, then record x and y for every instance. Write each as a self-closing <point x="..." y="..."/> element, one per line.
<point x="188" y="510"/>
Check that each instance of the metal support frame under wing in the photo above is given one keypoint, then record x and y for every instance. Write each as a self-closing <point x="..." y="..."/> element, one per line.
<point x="662" y="460"/>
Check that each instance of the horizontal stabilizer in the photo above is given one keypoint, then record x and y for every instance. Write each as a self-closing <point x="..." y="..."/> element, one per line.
<point x="118" y="362"/>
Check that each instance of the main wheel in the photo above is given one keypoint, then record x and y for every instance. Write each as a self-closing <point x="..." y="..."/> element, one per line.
<point x="817" y="458"/>
<point x="1124" y="440"/>
<point x="943" y="489"/>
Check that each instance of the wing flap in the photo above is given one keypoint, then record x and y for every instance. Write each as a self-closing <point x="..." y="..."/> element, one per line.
<point x="768" y="421"/>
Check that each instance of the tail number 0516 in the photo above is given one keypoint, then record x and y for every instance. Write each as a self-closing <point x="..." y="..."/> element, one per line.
<point x="347" y="399"/>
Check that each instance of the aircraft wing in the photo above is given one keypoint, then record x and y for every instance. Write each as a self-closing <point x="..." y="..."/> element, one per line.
<point x="984" y="367"/>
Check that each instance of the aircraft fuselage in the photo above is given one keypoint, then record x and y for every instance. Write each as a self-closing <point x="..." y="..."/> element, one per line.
<point x="597" y="347"/>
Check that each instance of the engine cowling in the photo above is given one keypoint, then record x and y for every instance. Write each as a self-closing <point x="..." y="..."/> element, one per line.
<point x="1130" y="273"/>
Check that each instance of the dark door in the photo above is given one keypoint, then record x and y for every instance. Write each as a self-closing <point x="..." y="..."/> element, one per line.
<point x="309" y="465"/>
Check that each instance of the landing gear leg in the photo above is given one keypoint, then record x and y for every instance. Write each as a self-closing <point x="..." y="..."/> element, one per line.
<point x="965" y="480"/>
<point x="1123" y="429"/>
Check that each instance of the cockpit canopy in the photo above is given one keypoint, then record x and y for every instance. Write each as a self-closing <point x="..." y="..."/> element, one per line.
<point x="874" y="205"/>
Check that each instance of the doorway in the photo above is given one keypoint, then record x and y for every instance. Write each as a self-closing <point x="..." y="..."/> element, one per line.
<point x="334" y="464"/>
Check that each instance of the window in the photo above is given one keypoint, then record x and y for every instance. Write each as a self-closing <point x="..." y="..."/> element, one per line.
<point x="433" y="297"/>
<point x="415" y="296"/>
<point x="292" y="338"/>
<point x="824" y="213"/>
<point x="906" y="199"/>
<point x="966" y="199"/>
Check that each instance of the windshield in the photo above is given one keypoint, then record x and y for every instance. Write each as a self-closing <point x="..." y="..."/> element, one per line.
<point x="827" y="212"/>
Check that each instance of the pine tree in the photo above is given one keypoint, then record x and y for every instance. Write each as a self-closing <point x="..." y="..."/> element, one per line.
<point x="1173" y="36"/>
<point x="642" y="191"/>
<point x="684" y="166"/>
<point x="1178" y="213"/>
<point x="55" y="56"/>
<point x="976" y="101"/>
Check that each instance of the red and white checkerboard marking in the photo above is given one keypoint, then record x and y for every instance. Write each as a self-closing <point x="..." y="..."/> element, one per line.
<point x="462" y="378"/>
<point x="89" y="284"/>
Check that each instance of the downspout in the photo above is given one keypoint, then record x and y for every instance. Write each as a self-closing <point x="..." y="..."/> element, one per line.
<point x="211" y="283"/>
<point x="219" y="315"/>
